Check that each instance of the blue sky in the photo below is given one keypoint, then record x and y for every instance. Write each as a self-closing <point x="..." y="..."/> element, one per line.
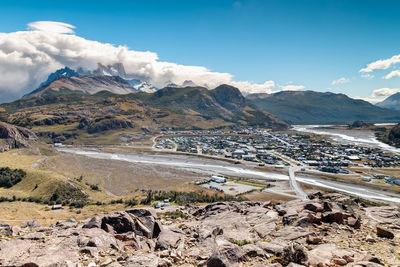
<point x="309" y="43"/>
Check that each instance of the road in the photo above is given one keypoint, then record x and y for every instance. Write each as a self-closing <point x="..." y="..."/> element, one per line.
<point x="293" y="183"/>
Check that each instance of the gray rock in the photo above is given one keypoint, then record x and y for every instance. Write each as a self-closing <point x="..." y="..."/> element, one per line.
<point x="168" y="239"/>
<point x="143" y="260"/>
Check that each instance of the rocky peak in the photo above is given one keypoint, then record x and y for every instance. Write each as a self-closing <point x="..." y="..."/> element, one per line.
<point x="229" y="97"/>
<point x="61" y="73"/>
<point x="116" y="69"/>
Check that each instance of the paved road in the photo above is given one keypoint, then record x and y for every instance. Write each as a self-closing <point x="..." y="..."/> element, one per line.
<point x="293" y="184"/>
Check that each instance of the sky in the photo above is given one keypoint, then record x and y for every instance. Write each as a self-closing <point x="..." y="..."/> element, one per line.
<point x="342" y="46"/>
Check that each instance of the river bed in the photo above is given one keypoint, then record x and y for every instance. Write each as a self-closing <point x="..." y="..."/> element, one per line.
<point x="210" y="166"/>
<point x="358" y="137"/>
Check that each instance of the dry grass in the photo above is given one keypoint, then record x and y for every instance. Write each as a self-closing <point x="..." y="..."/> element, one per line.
<point x="16" y="213"/>
<point x="267" y="196"/>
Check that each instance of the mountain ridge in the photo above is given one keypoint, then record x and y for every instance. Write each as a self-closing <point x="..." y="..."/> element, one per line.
<point x="308" y="107"/>
<point x="391" y="102"/>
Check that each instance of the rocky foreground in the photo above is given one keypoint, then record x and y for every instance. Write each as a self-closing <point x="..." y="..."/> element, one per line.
<point x="327" y="230"/>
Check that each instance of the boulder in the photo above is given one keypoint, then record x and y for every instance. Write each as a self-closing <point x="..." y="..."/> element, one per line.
<point x="271" y="247"/>
<point x="168" y="239"/>
<point x="295" y="253"/>
<point x="354" y="222"/>
<point x="384" y="232"/>
<point x="225" y="255"/>
<point x="314" y="206"/>
<point x="333" y="216"/>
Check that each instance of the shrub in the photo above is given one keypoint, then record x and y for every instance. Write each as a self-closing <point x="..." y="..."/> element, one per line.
<point x="9" y="177"/>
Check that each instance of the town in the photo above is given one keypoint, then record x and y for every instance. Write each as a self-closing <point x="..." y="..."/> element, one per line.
<point x="283" y="149"/>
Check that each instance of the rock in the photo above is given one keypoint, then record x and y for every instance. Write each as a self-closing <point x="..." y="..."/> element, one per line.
<point x="354" y="222"/>
<point x="270" y="247"/>
<point x="376" y="260"/>
<point x="385" y="215"/>
<point x="168" y="239"/>
<point x="315" y="207"/>
<point x="253" y="250"/>
<point x="384" y="232"/>
<point x="366" y="264"/>
<point x="333" y="216"/>
<point x="119" y="222"/>
<point x="12" y="137"/>
<point x="143" y="260"/>
<point x="225" y="255"/>
<point x="29" y="264"/>
<point x="95" y="222"/>
<point x="312" y="239"/>
<point x="290" y="233"/>
<point x="294" y="265"/>
<point x="295" y="253"/>
<point x="339" y="261"/>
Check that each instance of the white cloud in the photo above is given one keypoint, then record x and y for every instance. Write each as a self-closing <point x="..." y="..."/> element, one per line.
<point x="340" y="81"/>
<point x="254" y="88"/>
<point x="28" y="57"/>
<point x="379" y="95"/>
<point x="368" y="76"/>
<point x="381" y="64"/>
<point x="392" y="74"/>
<point x="384" y="92"/>
<point x="292" y="87"/>
<point x="51" y="26"/>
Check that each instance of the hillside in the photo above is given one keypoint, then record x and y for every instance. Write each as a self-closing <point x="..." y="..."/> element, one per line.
<point x="394" y="136"/>
<point x="12" y="137"/>
<point x="309" y="107"/>
<point x="392" y="102"/>
<point x="83" y="85"/>
<point x="62" y="117"/>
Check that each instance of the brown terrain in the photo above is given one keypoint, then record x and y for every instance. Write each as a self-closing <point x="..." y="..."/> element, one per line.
<point x="325" y="230"/>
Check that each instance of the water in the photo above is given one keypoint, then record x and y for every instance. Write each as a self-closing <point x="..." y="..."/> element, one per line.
<point x="361" y="138"/>
<point x="211" y="166"/>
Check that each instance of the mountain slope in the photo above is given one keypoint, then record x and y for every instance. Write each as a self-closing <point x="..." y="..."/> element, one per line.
<point x="224" y="102"/>
<point x="392" y="102"/>
<point x="14" y="137"/>
<point x="307" y="107"/>
<point x="84" y="85"/>
<point x="67" y="117"/>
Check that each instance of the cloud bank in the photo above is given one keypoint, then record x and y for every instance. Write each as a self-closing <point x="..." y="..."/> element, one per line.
<point x="395" y="73"/>
<point x="381" y="64"/>
<point x="379" y="95"/>
<point x="340" y="81"/>
<point x="292" y="87"/>
<point x="28" y="57"/>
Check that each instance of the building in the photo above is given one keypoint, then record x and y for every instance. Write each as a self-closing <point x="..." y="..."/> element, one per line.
<point x="218" y="179"/>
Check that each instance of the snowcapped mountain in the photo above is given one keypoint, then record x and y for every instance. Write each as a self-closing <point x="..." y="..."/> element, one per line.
<point x="116" y="69"/>
<point x="188" y="83"/>
<point x="142" y="86"/>
<point x="111" y="77"/>
<point x="61" y="73"/>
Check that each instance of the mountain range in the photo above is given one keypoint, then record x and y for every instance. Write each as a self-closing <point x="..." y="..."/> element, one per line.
<point x="309" y="107"/>
<point x="79" y="102"/>
<point x="392" y="102"/>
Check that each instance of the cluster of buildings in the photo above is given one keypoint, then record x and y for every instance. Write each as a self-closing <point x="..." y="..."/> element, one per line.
<point x="253" y="148"/>
<point x="280" y="149"/>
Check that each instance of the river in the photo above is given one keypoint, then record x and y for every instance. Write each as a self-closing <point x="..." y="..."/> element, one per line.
<point x="358" y="137"/>
<point x="211" y="166"/>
